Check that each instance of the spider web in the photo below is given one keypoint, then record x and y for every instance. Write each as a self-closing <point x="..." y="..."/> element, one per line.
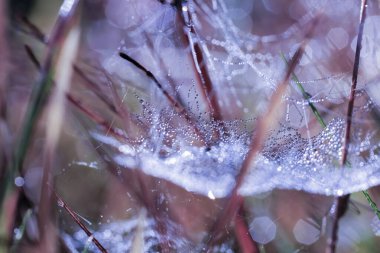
<point x="243" y="57"/>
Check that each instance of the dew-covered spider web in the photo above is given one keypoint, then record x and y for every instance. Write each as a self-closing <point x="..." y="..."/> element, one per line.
<point x="245" y="49"/>
<point x="184" y="86"/>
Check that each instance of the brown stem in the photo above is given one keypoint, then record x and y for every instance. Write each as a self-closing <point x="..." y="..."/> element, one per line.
<point x="94" y="87"/>
<point x="60" y="38"/>
<point x="77" y="220"/>
<point x="199" y="62"/>
<point x="177" y="106"/>
<point x="33" y="30"/>
<point x="95" y="117"/>
<point x="246" y="243"/>
<point x="355" y="72"/>
<point x="76" y="102"/>
<point x="341" y="203"/>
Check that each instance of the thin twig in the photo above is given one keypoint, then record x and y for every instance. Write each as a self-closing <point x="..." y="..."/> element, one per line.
<point x="198" y="61"/>
<point x="177" y="106"/>
<point x="34" y="30"/>
<point x="40" y="36"/>
<point x="94" y="87"/>
<point x="77" y="103"/>
<point x="55" y="118"/>
<point x="340" y="203"/>
<point x="96" y="118"/>
<point x="77" y="220"/>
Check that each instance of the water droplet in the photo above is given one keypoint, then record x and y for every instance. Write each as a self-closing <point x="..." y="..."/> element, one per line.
<point x="19" y="181"/>
<point x="211" y="195"/>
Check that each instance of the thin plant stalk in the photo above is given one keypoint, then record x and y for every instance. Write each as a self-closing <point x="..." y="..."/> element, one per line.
<point x="95" y="88"/>
<point x="242" y="234"/>
<point x="5" y="139"/>
<point x="36" y="33"/>
<point x="55" y="116"/>
<point x="341" y="203"/>
<point x="177" y="106"/>
<point x="77" y="220"/>
<point x="78" y="104"/>
<point x="33" y="30"/>
<point x="39" y="97"/>
<point x="198" y="60"/>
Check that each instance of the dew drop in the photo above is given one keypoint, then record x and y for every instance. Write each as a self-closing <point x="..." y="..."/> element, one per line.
<point x="210" y="194"/>
<point x="19" y="181"/>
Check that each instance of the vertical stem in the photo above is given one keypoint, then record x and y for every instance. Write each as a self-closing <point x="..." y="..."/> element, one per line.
<point x="354" y="83"/>
<point x="340" y="204"/>
<point x="3" y="78"/>
<point x="245" y="241"/>
<point x="3" y="58"/>
<point x="199" y="61"/>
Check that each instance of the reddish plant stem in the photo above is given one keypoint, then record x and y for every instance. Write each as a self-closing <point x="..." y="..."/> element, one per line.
<point x="337" y="210"/>
<point x="149" y="199"/>
<point x="198" y="61"/>
<point x="94" y="88"/>
<point x="76" y="102"/>
<point x="177" y="106"/>
<point x="41" y="37"/>
<point x="66" y="17"/>
<point x="77" y="220"/>
<point x="340" y="204"/>
<point x="355" y="72"/>
<point x="95" y="117"/>
<point x="246" y="243"/>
